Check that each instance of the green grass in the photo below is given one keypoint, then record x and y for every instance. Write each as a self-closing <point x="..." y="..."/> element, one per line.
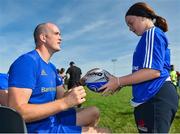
<point x="117" y="113"/>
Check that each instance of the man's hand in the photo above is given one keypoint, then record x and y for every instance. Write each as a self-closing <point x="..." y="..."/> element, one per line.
<point x="75" y="96"/>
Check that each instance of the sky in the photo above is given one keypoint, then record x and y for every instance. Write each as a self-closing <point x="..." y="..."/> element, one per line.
<point x="94" y="32"/>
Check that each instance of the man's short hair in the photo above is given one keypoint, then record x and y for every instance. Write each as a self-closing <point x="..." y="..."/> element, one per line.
<point x="38" y="30"/>
<point x="71" y="63"/>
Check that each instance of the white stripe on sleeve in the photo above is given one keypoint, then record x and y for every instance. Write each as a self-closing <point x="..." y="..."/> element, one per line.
<point x="149" y="48"/>
<point x="152" y="45"/>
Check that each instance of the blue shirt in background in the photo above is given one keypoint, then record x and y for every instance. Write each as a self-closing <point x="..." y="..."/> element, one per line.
<point x="4" y="81"/>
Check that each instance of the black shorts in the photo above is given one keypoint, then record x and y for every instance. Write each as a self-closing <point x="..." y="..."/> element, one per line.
<point x="157" y="114"/>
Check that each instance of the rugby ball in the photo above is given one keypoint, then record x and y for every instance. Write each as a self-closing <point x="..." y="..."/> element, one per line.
<point x="96" y="78"/>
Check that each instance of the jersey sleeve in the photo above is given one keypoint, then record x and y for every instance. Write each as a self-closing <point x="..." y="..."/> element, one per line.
<point x="155" y="50"/>
<point x="4" y="81"/>
<point x="59" y="80"/>
<point x="22" y="73"/>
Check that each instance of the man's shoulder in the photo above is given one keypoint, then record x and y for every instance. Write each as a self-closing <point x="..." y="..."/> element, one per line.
<point x="78" y="68"/>
<point x="27" y="58"/>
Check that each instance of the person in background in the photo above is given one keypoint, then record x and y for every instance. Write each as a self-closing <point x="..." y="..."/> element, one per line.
<point x="74" y="75"/>
<point x="3" y="89"/>
<point x="36" y="91"/>
<point x="173" y="75"/>
<point x="62" y="74"/>
<point x="155" y="99"/>
<point x="178" y="82"/>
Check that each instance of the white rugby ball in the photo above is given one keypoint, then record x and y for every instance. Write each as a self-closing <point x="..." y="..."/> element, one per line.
<point x="96" y="78"/>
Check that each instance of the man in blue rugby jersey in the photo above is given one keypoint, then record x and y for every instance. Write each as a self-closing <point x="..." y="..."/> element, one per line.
<point x="36" y="91"/>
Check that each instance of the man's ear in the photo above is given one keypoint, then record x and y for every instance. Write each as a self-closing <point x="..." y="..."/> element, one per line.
<point x="42" y="37"/>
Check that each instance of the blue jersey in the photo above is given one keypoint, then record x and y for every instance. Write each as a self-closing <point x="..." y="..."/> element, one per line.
<point x="30" y="71"/>
<point x="151" y="52"/>
<point x="3" y="81"/>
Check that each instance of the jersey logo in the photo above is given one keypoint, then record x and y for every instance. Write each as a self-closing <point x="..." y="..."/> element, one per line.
<point x="141" y="126"/>
<point x="43" y="72"/>
<point x="135" y="68"/>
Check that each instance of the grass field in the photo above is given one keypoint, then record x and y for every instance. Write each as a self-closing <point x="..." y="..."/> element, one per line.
<point x="117" y="113"/>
